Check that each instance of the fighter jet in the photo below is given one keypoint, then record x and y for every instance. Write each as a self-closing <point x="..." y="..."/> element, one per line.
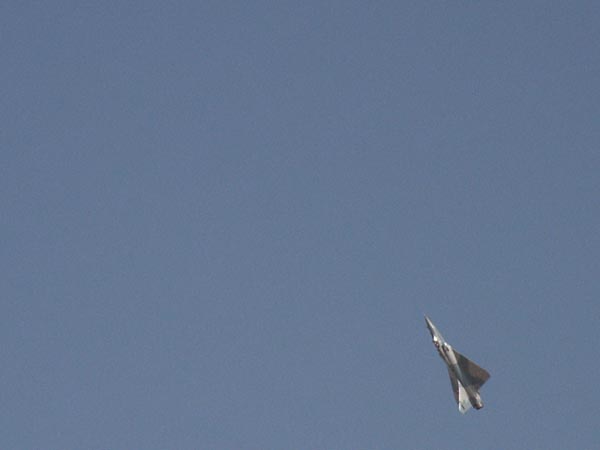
<point x="466" y="377"/>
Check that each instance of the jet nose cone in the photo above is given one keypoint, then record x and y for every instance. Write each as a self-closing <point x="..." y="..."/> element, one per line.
<point x="429" y="323"/>
<point x="435" y="334"/>
<point x="430" y="326"/>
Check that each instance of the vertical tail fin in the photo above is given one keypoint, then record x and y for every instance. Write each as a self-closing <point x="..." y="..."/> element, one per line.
<point x="460" y="394"/>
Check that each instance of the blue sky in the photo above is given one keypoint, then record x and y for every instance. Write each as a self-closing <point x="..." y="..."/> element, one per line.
<point x="222" y="223"/>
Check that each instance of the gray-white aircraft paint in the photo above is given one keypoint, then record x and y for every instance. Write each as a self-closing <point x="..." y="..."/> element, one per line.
<point x="466" y="376"/>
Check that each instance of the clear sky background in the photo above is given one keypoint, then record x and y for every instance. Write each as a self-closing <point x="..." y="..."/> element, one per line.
<point x="223" y="221"/>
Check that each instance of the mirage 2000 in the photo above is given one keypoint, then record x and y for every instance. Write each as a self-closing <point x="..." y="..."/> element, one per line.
<point x="466" y="377"/>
